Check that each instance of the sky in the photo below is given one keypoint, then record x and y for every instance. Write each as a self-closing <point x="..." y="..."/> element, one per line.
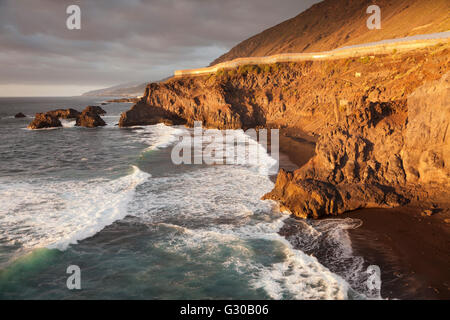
<point x="122" y="41"/>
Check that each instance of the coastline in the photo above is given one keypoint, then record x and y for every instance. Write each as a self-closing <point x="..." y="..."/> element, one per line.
<point x="410" y="249"/>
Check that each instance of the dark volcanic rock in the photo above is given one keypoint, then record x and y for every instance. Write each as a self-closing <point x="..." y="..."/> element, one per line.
<point x="90" y="117"/>
<point x="65" y="113"/>
<point x="44" y="120"/>
<point x="187" y="100"/>
<point x="141" y="114"/>
<point x="124" y="100"/>
<point x="95" y="109"/>
<point x="50" y="119"/>
<point x="20" y="115"/>
<point x="90" y="120"/>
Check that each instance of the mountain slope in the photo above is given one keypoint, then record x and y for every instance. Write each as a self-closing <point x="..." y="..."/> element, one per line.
<point x="122" y="90"/>
<point x="335" y="23"/>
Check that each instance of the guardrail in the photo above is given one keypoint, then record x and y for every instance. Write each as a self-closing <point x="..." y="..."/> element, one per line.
<point x="347" y="52"/>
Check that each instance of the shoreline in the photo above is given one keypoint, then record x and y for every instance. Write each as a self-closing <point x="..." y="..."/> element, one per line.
<point x="410" y="249"/>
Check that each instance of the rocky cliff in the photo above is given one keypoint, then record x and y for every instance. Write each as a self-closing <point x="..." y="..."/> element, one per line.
<point x="381" y="123"/>
<point x="384" y="155"/>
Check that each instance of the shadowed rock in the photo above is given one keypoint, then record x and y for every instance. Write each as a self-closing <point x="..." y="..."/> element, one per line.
<point x="20" y="115"/>
<point x="64" y="113"/>
<point x="44" y="120"/>
<point x="141" y="114"/>
<point x="89" y="119"/>
<point x="95" y="109"/>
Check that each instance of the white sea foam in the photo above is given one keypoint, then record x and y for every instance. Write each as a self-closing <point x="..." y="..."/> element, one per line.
<point x="252" y="155"/>
<point x="68" y="123"/>
<point x="56" y="214"/>
<point x="220" y="206"/>
<point x="160" y="136"/>
<point x="208" y="208"/>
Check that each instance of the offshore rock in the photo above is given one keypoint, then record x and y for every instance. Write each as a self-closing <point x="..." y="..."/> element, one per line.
<point x="44" y="120"/>
<point x="89" y="119"/>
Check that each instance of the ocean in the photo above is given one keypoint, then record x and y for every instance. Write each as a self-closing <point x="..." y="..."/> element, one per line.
<point x="110" y="201"/>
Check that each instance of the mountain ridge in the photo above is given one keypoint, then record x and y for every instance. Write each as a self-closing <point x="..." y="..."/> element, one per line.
<point x="336" y="23"/>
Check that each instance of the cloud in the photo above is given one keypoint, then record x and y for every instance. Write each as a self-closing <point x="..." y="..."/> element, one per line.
<point x="123" y="40"/>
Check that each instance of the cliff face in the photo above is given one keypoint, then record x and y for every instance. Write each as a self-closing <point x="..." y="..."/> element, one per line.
<point x="381" y="124"/>
<point x="335" y="23"/>
<point x="426" y="148"/>
<point x="183" y="102"/>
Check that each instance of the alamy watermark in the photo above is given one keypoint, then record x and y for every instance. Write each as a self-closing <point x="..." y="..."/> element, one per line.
<point x="235" y="147"/>
<point x="374" y="20"/>
<point x="373" y="281"/>
<point x="73" y="22"/>
<point x="74" y="280"/>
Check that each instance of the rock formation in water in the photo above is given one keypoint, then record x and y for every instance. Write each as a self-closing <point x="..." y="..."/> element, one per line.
<point x="381" y="123"/>
<point x="95" y="109"/>
<point x="90" y="117"/>
<point x="20" y="115"/>
<point x="44" y="120"/>
<point x="64" y="113"/>
<point x="124" y="100"/>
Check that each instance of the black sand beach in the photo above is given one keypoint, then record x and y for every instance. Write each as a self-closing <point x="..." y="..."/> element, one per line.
<point x="411" y="250"/>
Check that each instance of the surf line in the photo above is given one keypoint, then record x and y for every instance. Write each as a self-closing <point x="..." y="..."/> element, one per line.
<point x="225" y="147"/>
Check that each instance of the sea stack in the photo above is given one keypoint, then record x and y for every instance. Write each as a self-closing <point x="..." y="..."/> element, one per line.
<point x="89" y="119"/>
<point x="44" y="120"/>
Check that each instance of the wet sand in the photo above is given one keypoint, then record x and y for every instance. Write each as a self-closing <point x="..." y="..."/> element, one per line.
<point x="412" y="251"/>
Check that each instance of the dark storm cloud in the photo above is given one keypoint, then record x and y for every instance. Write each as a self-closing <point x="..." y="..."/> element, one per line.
<point x="125" y="40"/>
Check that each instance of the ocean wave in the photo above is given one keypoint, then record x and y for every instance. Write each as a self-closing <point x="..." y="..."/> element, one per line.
<point x="254" y="155"/>
<point x="57" y="214"/>
<point x="159" y="136"/>
<point x="215" y="214"/>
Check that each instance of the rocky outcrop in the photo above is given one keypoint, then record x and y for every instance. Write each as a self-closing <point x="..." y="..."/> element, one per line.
<point x="141" y="114"/>
<point x="426" y="148"/>
<point x="124" y="100"/>
<point x="64" y="113"/>
<point x="380" y="121"/>
<point x="20" y="115"/>
<point x="44" y="120"/>
<point x="384" y="155"/>
<point x="310" y="198"/>
<point x="95" y="109"/>
<point x="186" y="101"/>
<point x="89" y="119"/>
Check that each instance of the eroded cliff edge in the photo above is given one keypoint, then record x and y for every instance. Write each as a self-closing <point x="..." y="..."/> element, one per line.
<point x="381" y="122"/>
